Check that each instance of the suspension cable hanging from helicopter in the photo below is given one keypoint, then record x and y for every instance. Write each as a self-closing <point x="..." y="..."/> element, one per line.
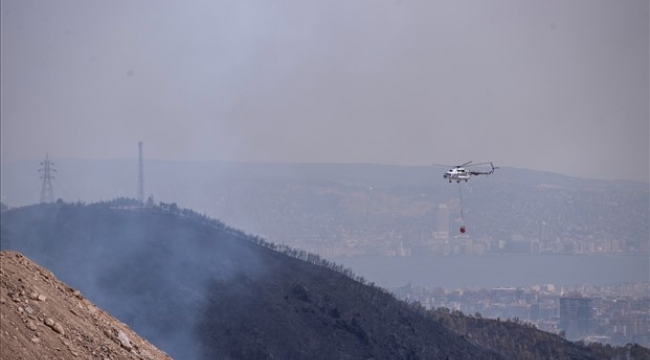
<point x="462" y="216"/>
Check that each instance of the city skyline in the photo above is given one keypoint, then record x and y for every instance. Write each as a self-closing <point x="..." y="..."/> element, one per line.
<point x="614" y="314"/>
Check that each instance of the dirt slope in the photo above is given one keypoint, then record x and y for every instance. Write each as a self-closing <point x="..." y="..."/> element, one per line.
<point x="43" y="318"/>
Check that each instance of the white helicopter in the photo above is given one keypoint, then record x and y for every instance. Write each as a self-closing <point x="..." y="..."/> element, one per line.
<point x="460" y="173"/>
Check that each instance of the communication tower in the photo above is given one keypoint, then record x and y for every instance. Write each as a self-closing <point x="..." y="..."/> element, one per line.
<point x="47" y="195"/>
<point x="140" y="176"/>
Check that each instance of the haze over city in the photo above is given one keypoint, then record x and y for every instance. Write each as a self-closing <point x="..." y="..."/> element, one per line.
<point x="554" y="86"/>
<point x="254" y="179"/>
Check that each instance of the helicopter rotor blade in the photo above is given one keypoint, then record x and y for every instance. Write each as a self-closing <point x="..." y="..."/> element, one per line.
<point x="467" y="164"/>
<point x="478" y="164"/>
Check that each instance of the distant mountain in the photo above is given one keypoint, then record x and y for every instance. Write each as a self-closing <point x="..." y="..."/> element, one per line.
<point x="96" y="180"/>
<point x="363" y="208"/>
<point x="198" y="289"/>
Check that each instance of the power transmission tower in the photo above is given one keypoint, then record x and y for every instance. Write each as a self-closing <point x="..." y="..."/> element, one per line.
<point x="140" y="176"/>
<point x="47" y="195"/>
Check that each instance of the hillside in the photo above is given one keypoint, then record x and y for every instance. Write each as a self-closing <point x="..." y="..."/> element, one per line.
<point x="43" y="318"/>
<point x="200" y="290"/>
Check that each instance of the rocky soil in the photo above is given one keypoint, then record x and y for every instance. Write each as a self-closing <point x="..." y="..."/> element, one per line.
<point x="43" y="318"/>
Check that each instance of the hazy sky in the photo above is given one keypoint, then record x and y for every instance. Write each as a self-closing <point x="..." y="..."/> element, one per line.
<point x="545" y="85"/>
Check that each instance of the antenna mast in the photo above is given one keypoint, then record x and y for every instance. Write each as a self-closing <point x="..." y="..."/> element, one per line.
<point x="47" y="195"/>
<point x="140" y="176"/>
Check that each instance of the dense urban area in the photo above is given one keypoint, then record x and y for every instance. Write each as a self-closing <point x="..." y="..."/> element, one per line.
<point x="611" y="314"/>
<point x="446" y="240"/>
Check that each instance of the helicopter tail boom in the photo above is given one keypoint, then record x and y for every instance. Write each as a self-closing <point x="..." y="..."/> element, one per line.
<point x="484" y="172"/>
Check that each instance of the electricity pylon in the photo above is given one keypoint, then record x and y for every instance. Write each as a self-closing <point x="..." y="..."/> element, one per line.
<point x="47" y="195"/>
